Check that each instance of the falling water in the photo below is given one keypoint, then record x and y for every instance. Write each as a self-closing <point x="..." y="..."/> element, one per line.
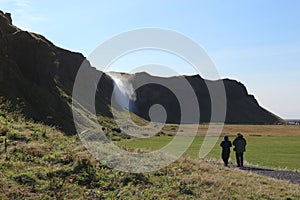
<point x="123" y="91"/>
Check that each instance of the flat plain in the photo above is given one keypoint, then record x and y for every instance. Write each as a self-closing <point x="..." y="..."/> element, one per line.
<point x="271" y="146"/>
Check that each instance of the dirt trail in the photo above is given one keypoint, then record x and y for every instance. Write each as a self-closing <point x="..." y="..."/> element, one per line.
<point x="292" y="176"/>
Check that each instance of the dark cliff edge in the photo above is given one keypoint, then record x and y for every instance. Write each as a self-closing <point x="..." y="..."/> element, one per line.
<point x="241" y="107"/>
<point x="38" y="76"/>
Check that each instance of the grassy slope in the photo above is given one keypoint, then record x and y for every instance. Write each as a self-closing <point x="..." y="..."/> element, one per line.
<point x="43" y="163"/>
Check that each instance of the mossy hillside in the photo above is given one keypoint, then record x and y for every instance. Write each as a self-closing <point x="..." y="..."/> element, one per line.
<point x="40" y="76"/>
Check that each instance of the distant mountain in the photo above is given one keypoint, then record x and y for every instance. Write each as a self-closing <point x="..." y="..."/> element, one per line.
<point x="38" y="76"/>
<point x="242" y="108"/>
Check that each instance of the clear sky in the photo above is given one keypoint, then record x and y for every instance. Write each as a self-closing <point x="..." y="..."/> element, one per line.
<point x="256" y="42"/>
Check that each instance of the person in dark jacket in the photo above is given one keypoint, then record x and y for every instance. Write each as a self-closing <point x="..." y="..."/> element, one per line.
<point x="225" y="144"/>
<point x="239" y="148"/>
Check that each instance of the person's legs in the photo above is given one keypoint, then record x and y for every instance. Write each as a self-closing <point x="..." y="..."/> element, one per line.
<point x="237" y="155"/>
<point x="242" y="159"/>
<point x="227" y="158"/>
<point x="224" y="158"/>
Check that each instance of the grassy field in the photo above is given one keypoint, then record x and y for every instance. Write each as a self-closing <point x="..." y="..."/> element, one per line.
<point x="266" y="148"/>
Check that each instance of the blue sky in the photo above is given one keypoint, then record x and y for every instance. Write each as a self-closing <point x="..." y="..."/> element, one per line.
<point x="256" y="42"/>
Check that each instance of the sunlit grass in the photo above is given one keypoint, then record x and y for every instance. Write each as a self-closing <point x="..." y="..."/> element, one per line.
<point x="274" y="152"/>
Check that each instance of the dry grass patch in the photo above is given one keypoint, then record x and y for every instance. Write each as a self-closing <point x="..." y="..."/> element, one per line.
<point x="247" y="130"/>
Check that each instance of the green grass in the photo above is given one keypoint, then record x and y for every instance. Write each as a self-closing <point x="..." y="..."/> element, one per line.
<point x="273" y="152"/>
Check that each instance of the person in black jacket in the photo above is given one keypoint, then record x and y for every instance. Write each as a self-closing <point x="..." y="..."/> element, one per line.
<point x="225" y="144"/>
<point x="239" y="147"/>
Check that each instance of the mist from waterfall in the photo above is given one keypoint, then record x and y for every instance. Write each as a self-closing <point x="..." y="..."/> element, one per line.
<point x="124" y="94"/>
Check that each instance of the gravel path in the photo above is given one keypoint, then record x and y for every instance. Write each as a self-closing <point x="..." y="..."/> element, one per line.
<point x="291" y="176"/>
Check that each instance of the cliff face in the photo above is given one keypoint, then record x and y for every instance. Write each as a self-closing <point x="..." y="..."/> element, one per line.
<point x="39" y="77"/>
<point x="242" y="108"/>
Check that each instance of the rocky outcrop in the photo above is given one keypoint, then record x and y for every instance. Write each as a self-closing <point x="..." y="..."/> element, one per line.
<point x="241" y="107"/>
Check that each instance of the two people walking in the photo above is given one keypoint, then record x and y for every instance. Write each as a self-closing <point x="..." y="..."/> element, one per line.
<point x="239" y="144"/>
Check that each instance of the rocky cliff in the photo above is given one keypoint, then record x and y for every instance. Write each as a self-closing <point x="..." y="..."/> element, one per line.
<point x="38" y="76"/>
<point x="242" y="108"/>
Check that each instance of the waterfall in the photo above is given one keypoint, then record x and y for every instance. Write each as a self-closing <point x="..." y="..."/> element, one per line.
<point x="124" y="94"/>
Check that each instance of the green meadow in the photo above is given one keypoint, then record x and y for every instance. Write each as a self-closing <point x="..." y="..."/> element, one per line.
<point x="263" y="151"/>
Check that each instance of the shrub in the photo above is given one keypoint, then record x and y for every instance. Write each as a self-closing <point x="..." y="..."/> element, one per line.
<point x="25" y="179"/>
<point x="3" y="131"/>
<point x="14" y="135"/>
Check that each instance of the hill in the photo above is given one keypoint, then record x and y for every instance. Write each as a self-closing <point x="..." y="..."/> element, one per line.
<point x="38" y="77"/>
<point x="242" y="108"/>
